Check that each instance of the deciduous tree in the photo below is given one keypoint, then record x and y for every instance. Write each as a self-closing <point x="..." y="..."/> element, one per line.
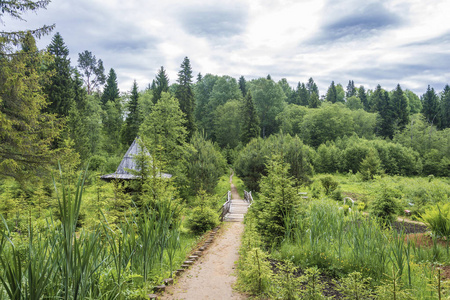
<point x="92" y="70"/>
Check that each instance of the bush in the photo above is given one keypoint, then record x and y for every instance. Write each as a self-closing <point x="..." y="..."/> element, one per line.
<point x="385" y="207"/>
<point x="329" y="184"/>
<point x="202" y="219"/>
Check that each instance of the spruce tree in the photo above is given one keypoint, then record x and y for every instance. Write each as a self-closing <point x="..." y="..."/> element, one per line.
<point x="351" y="90"/>
<point x="59" y="88"/>
<point x="312" y="87"/>
<point x="430" y="107"/>
<point x="199" y="77"/>
<point x="386" y="120"/>
<point x="314" y="101"/>
<point x="185" y="95"/>
<point x="133" y="120"/>
<point x="400" y="107"/>
<point x="250" y="121"/>
<point x="161" y="84"/>
<point x="363" y="97"/>
<point x="111" y="90"/>
<point x="243" y="85"/>
<point x="331" y="93"/>
<point x="445" y="108"/>
<point x="27" y="131"/>
<point x="303" y="95"/>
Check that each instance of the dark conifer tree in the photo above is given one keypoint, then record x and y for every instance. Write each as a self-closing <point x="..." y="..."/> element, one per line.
<point x="312" y="87"/>
<point x="250" y="121"/>
<point x="331" y="93"/>
<point x="445" y="108"/>
<point x="351" y="90"/>
<point x="111" y="90"/>
<point x="400" y="108"/>
<point x="59" y="90"/>
<point x="314" y="101"/>
<point x="303" y="94"/>
<point x="430" y="107"/>
<point x="243" y="85"/>
<point x="375" y="99"/>
<point x="363" y="97"/>
<point x="133" y="120"/>
<point x="269" y="77"/>
<point x="185" y="95"/>
<point x="161" y="85"/>
<point x="199" y="77"/>
<point x="386" y="114"/>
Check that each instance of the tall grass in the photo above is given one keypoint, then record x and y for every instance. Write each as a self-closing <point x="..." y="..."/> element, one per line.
<point x="109" y="262"/>
<point x="342" y="244"/>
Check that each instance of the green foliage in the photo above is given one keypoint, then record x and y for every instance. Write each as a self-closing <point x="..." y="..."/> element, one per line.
<point x="202" y="219"/>
<point x="59" y="89"/>
<point x="327" y="124"/>
<point x="161" y="84"/>
<point x="370" y="166"/>
<point x="185" y="96"/>
<point x="227" y="123"/>
<point x="250" y="120"/>
<point x="437" y="219"/>
<point x="277" y="205"/>
<point x="111" y="90"/>
<point x="313" y="287"/>
<point x="163" y="132"/>
<point x="269" y="100"/>
<point x="26" y="131"/>
<point x="355" y="286"/>
<point x="204" y="165"/>
<point x="385" y="206"/>
<point x="92" y="70"/>
<point x="255" y="274"/>
<point x="287" y="284"/>
<point x="329" y="184"/>
<point x="134" y="117"/>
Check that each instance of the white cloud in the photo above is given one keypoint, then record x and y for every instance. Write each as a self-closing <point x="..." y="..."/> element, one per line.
<point x="371" y="42"/>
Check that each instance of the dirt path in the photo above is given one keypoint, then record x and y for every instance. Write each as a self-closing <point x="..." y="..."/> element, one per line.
<point x="213" y="275"/>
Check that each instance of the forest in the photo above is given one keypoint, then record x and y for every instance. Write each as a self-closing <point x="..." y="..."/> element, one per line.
<point x="362" y="156"/>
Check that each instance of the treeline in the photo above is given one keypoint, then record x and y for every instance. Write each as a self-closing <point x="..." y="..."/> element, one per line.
<point x="78" y="113"/>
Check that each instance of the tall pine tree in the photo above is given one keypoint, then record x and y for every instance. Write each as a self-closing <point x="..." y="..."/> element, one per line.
<point x="185" y="95"/>
<point x="363" y="97"/>
<point x="161" y="84"/>
<point x="59" y="90"/>
<point x="400" y="108"/>
<point x="133" y="120"/>
<point x="243" y="85"/>
<point x="445" y="108"/>
<point x="332" y="93"/>
<point x="250" y="121"/>
<point x="430" y="108"/>
<point x="111" y="91"/>
<point x="386" y="114"/>
<point x="351" y="90"/>
<point x="312" y="87"/>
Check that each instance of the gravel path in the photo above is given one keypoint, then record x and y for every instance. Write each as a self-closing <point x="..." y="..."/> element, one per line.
<point x="214" y="273"/>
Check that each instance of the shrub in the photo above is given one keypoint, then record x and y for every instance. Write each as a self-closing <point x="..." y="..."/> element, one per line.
<point x="255" y="275"/>
<point x="202" y="219"/>
<point x="355" y="286"/>
<point x="385" y="206"/>
<point x="329" y="184"/>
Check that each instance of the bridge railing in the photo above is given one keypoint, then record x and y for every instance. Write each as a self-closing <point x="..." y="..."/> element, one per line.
<point x="225" y="207"/>
<point x="248" y="197"/>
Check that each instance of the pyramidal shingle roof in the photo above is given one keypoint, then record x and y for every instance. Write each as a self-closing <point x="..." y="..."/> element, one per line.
<point x="128" y="163"/>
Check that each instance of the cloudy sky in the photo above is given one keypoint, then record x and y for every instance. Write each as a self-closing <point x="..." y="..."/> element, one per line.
<point x="369" y="41"/>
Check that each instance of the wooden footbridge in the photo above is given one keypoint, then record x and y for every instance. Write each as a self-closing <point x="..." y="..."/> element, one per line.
<point x="234" y="209"/>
